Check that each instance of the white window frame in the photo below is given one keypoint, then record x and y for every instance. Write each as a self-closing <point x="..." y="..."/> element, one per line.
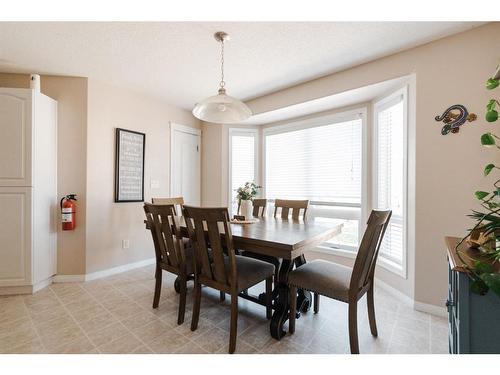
<point x="246" y="133"/>
<point x="379" y="106"/>
<point x="357" y="113"/>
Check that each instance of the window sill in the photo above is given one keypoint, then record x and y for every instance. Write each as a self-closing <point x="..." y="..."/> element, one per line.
<point x="334" y="251"/>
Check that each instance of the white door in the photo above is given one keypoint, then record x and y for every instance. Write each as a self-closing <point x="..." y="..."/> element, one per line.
<point x="15" y="137"/>
<point x="185" y="163"/>
<point x="15" y="236"/>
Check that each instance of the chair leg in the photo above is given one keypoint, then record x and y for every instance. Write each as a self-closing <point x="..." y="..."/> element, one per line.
<point x="182" y="301"/>
<point x="293" y="309"/>
<point x="371" y="312"/>
<point x="353" y="327"/>
<point x="156" y="298"/>
<point x="316" y="303"/>
<point x="234" y="323"/>
<point x="222" y="297"/>
<point x="269" y="298"/>
<point x="196" y="305"/>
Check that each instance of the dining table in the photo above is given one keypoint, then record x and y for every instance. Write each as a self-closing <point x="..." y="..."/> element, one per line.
<point x="287" y="240"/>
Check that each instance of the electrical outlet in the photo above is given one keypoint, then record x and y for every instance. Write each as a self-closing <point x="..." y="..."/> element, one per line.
<point x="125" y="244"/>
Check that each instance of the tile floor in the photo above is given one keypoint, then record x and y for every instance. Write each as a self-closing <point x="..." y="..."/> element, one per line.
<point x="114" y="315"/>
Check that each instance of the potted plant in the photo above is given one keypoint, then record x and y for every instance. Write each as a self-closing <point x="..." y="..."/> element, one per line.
<point x="485" y="235"/>
<point x="245" y="194"/>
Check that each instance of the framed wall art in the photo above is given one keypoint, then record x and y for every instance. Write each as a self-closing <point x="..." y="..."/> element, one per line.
<point x="129" y="166"/>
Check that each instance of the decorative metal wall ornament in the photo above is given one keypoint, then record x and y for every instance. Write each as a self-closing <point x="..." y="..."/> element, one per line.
<point x="452" y="120"/>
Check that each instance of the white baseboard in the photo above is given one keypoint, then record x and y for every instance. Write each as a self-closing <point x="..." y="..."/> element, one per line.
<point x="430" y="309"/>
<point x="42" y="284"/>
<point x="419" y="306"/>
<point x="25" y="289"/>
<point x="30" y="289"/>
<point x="119" y="269"/>
<point x="68" y="278"/>
<point x="13" y="290"/>
<point x="394" y="292"/>
<point x="103" y="273"/>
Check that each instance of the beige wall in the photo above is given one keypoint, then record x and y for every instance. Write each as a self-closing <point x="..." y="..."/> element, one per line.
<point x="108" y="223"/>
<point x="448" y="169"/>
<point x="71" y="95"/>
<point x="88" y="113"/>
<point x="211" y="165"/>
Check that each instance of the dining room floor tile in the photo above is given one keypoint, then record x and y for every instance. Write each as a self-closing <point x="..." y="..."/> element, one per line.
<point x="115" y="315"/>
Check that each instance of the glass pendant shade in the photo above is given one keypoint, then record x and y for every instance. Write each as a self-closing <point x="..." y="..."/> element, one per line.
<point x="222" y="109"/>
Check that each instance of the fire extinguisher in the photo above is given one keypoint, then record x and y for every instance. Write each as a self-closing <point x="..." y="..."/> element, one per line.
<point x="68" y="212"/>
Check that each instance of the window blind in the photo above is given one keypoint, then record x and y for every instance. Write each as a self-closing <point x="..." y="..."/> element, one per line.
<point x="242" y="161"/>
<point x="390" y="186"/>
<point x="321" y="163"/>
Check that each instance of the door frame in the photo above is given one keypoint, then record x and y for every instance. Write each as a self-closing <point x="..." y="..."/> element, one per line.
<point x="184" y="129"/>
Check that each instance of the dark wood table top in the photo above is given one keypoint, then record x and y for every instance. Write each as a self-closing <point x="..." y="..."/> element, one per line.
<point x="281" y="238"/>
<point x="287" y="238"/>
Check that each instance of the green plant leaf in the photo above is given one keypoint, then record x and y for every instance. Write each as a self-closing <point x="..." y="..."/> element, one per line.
<point x="481" y="194"/>
<point x="492" y="280"/>
<point x="482" y="267"/>
<point x="491" y="116"/>
<point x="478" y="286"/>
<point x="492" y="83"/>
<point x="487" y="139"/>
<point x="491" y="105"/>
<point x="488" y="169"/>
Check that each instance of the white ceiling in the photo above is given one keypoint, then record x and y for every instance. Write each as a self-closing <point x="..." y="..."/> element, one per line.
<point x="179" y="61"/>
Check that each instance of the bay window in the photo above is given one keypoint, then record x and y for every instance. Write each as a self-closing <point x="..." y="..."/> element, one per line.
<point x="319" y="160"/>
<point x="390" y="175"/>
<point x="242" y="161"/>
<point x="324" y="160"/>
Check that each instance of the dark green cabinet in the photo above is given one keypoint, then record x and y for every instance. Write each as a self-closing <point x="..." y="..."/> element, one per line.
<point x="474" y="320"/>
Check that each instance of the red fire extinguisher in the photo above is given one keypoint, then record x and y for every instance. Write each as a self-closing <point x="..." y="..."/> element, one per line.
<point x="68" y="212"/>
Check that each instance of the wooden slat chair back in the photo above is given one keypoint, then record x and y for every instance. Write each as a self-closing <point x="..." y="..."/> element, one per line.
<point x="169" y="250"/>
<point x="259" y="207"/>
<point x="366" y="259"/>
<point x="209" y="250"/>
<point x="178" y="202"/>
<point x="295" y="206"/>
<point x="166" y="234"/>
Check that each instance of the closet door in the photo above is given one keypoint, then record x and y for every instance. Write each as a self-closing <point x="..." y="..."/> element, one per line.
<point x="15" y="140"/>
<point x="15" y="236"/>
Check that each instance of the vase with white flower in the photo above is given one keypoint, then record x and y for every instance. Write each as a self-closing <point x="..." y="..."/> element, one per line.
<point x="245" y="194"/>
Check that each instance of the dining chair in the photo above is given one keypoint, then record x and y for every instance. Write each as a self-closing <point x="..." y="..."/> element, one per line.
<point x="285" y="205"/>
<point x="259" y="207"/>
<point x="171" y="254"/>
<point x="178" y="202"/>
<point x="343" y="283"/>
<point x="210" y="231"/>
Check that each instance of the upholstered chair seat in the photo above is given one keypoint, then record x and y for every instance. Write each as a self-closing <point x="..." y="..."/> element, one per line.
<point x="250" y="271"/>
<point x="323" y="277"/>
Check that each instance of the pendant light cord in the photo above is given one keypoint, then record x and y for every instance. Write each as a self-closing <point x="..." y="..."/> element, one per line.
<point x="222" y="82"/>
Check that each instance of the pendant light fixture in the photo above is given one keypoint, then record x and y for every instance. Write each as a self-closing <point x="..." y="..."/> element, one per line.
<point x="222" y="108"/>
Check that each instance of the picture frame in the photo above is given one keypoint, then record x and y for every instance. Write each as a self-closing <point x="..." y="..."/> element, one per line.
<point x="130" y="151"/>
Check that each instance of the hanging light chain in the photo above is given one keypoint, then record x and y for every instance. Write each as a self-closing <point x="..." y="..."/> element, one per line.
<point x="222" y="82"/>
